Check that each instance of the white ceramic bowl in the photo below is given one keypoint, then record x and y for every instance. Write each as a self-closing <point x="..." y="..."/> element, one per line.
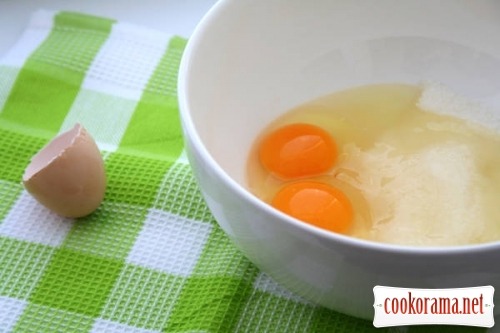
<point x="249" y="61"/>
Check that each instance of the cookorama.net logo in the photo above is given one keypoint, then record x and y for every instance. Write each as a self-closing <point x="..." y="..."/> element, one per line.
<point x="455" y="306"/>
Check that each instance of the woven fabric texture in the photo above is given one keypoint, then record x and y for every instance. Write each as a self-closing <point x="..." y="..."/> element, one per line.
<point x="151" y="258"/>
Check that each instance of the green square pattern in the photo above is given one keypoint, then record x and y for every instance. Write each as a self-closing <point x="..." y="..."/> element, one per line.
<point x="50" y="79"/>
<point x="179" y="194"/>
<point x="43" y="319"/>
<point x="21" y="266"/>
<point x="8" y="75"/>
<point x="326" y="321"/>
<point x="142" y="298"/>
<point x="125" y="172"/>
<point x="220" y="258"/>
<point x="77" y="282"/>
<point x="261" y="303"/>
<point x="15" y="154"/>
<point x="9" y="192"/>
<point x="164" y="79"/>
<point x="210" y="304"/>
<point x="108" y="232"/>
<point x="158" y="105"/>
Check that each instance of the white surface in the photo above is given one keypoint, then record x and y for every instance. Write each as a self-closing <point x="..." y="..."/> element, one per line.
<point x="172" y="16"/>
<point x="47" y="228"/>
<point x="177" y="257"/>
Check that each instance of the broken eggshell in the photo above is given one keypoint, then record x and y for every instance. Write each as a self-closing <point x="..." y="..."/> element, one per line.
<point x="67" y="175"/>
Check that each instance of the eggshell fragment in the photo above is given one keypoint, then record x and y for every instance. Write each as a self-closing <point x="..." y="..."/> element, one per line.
<point x="67" y="176"/>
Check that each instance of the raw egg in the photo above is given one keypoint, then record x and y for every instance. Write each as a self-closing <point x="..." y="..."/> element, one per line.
<point x="67" y="175"/>
<point x="316" y="203"/>
<point x="419" y="165"/>
<point x="298" y="150"/>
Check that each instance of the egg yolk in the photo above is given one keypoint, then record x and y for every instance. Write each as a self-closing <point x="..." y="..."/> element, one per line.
<point x="298" y="150"/>
<point x="316" y="203"/>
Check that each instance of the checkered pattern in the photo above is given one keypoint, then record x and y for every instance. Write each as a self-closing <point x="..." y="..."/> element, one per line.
<point x="151" y="258"/>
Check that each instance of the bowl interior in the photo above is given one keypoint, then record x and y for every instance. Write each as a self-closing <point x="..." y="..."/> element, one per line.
<point x="251" y="61"/>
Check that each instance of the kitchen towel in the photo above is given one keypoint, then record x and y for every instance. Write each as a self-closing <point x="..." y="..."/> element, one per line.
<point x="151" y="258"/>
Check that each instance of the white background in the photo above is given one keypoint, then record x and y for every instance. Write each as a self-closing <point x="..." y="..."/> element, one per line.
<point x="171" y="16"/>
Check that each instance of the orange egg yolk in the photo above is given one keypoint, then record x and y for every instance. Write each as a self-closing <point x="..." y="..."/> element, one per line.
<point x="298" y="150"/>
<point x="316" y="203"/>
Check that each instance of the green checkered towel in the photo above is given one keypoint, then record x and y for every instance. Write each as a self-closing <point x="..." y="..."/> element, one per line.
<point x="151" y="258"/>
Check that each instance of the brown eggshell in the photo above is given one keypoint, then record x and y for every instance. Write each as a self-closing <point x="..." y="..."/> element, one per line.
<point x="67" y="176"/>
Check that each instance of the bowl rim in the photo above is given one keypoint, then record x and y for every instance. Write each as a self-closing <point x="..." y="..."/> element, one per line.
<point x="189" y="130"/>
